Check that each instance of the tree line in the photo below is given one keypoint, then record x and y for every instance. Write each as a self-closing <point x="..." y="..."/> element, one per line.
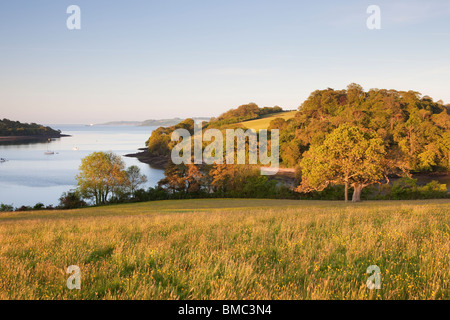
<point x="414" y="129"/>
<point x="346" y="137"/>
<point x="338" y="140"/>
<point x="16" y="128"/>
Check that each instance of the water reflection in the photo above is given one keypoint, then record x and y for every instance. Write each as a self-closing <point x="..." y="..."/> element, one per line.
<point x="24" y="142"/>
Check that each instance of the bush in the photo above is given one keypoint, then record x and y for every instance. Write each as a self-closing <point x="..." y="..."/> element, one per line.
<point x="71" y="200"/>
<point x="258" y="187"/>
<point x="404" y="188"/>
<point x="6" y="208"/>
<point x="434" y="189"/>
<point x="407" y="189"/>
<point x="39" y="206"/>
<point x="24" y="208"/>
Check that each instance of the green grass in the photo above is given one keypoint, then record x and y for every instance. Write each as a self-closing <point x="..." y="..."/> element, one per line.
<point x="264" y="122"/>
<point x="229" y="249"/>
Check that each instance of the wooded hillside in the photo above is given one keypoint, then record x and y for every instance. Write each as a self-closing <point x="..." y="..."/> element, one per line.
<point x="15" y="128"/>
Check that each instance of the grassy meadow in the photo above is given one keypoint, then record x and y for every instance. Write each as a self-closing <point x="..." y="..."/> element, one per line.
<point x="229" y="249"/>
<point x="264" y="121"/>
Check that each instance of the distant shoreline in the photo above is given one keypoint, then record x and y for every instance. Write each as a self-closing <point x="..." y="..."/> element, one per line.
<point x="151" y="122"/>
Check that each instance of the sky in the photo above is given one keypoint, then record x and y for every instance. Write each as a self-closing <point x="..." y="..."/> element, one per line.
<point x="137" y="60"/>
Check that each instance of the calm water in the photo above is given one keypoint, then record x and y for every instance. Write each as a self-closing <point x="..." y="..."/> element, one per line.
<point x="29" y="176"/>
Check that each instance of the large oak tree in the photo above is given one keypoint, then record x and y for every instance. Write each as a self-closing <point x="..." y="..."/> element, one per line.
<point x="349" y="156"/>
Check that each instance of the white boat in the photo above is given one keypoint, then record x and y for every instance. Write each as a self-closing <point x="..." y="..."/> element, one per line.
<point x="48" y="152"/>
<point x="75" y="149"/>
<point x="3" y="160"/>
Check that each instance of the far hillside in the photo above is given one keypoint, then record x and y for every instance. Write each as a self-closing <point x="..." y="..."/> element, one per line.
<point x="152" y="122"/>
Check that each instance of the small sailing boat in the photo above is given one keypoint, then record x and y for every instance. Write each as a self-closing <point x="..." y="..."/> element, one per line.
<point x="48" y="152"/>
<point x="3" y="160"/>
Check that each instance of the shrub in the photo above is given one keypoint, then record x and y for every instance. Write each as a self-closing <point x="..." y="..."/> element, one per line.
<point x="71" y="200"/>
<point x="433" y="189"/>
<point x="39" y="206"/>
<point x="407" y="189"/>
<point x="404" y="188"/>
<point x="24" y="208"/>
<point x="6" y="208"/>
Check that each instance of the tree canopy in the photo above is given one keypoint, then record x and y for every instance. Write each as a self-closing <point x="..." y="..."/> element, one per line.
<point x="415" y="129"/>
<point x="101" y="174"/>
<point x="16" y="128"/>
<point x="244" y="112"/>
<point x="134" y="179"/>
<point x="368" y="135"/>
<point x="348" y="156"/>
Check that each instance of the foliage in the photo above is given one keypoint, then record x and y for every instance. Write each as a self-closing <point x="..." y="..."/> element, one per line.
<point x="16" y="128"/>
<point x="101" y="174"/>
<point x="6" y="207"/>
<point x="407" y="188"/>
<point x="415" y="129"/>
<point x="160" y="144"/>
<point x="348" y="156"/>
<point x="71" y="200"/>
<point x="218" y="180"/>
<point x="263" y="122"/>
<point x="24" y="208"/>
<point x="134" y="179"/>
<point x="243" y="113"/>
<point x="39" y="206"/>
<point x="182" y="178"/>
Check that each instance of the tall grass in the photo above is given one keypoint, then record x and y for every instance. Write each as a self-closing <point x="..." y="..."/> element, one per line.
<point x="268" y="249"/>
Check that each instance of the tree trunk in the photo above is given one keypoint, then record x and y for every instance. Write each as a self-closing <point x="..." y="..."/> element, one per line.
<point x="346" y="192"/>
<point x="357" y="188"/>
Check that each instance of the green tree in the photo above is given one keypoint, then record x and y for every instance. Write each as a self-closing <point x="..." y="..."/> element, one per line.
<point x="414" y="128"/>
<point x="71" y="200"/>
<point x="134" y="179"/>
<point x="101" y="174"/>
<point x="6" y="208"/>
<point x="348" y="156"/>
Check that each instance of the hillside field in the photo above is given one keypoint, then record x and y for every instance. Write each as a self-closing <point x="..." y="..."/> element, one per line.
<point x="229" y="249"/>
<point x="264" y="122"/>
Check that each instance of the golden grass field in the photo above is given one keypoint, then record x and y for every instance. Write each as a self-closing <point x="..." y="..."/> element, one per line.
<point x="229" y="249"/>
<point x="264" y="122"/>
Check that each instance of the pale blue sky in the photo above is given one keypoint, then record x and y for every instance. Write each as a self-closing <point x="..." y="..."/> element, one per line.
<point x="137" y="59"/>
